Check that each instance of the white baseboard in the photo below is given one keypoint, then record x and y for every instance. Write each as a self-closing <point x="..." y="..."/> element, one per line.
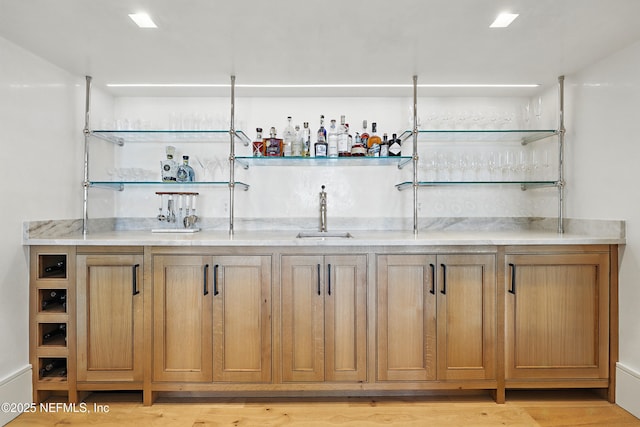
<point x="15" y="388"/>
<point x="628" y="389"/>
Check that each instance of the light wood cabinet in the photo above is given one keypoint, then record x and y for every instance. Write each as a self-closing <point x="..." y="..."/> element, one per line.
<point x="212" y="318"/>
<point x="242" y="319"/>
<point x="557" y="316"/>
<point x="436" y="317"/>
<point x="109" y="318"/>
<point x="324" y="322"/>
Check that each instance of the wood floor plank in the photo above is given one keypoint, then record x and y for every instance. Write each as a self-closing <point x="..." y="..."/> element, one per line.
<point x="557" y="409"/>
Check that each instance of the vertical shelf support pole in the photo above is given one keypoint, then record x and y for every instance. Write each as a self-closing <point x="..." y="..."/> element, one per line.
<point x="87" y="132"/>
<point x="232" y="155"/>
<point x="561" y="133"/>
<point x="415" y="154"/>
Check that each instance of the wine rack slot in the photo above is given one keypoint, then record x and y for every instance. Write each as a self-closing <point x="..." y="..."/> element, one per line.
<point x="52" y="266"/>
<point x="52" y="369"/>
<point x="52" y="334"/>
<point x="52" y="300"/>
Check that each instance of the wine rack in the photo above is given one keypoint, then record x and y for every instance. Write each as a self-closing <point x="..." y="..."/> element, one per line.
<point x="52" y="322"/>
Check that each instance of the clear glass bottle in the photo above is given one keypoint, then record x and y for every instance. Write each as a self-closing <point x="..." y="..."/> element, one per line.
<point x="186" y="172"/>
<point x="169" y="167"/>
<point x="273" y="145"/>
<point x="258" y="144"/>
<point x="343" y="139"/>
<point x="395" y="146"/>
<point x="288" y="136"/>
<point x="320" y="147"/>
<point x="306" y="139"/>
<point x="332" y="140"/>
<point x="296" y="146"/>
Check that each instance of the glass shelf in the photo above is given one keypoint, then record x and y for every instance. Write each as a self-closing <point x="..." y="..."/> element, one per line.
<point x="119" y="185"/>
<point x="400" y="161"/>
<point x="167" y="136"/>
<point x="523" y="184"/>
<point x="480" y="135"/>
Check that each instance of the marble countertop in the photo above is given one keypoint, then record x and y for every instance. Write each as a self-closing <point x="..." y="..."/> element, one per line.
<point x="288" y="238"/>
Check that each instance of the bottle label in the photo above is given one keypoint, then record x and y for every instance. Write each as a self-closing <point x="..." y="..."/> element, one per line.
<point x="258" y="148"/>
<point x="321" y="150"/>
<point x="395" y="149"/>
<point x="169" y="170"/>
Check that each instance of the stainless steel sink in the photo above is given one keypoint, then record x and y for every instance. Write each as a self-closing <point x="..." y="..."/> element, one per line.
<point x="324" y="234"/>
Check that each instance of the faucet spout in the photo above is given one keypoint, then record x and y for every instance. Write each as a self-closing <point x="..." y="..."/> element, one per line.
<point x="323" y="210"/>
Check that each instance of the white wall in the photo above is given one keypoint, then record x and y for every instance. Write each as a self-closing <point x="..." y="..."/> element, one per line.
<point x="41" y="141"/>
<point x="603" y="150"/>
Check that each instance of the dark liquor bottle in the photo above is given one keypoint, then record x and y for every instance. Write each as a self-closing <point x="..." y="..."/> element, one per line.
<point x="395" y="146"/>
<point x="374" y="141"/>
<point x="58" y="267"/>
<point x="357" y="149"/>
<point x="54" y="298"/>
<point x="50" y="365"/>
<point x="60" y="330"/>
<point x="384" y="146"/>
<point x="273" y="145"/>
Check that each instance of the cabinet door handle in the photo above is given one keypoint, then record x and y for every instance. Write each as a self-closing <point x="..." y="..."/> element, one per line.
<point x="513" y="278"/>
<point x="444" y="279"/>
<point x="329" y="278"/>
<point x="215" y="280"/>
<point x="433" y="279"/>
<point x="319" y="292"/>
<point x="135" y="279"/>
<point x="204" y="282"/>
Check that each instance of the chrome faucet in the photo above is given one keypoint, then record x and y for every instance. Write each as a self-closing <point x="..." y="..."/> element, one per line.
<point x="323" y="210"/>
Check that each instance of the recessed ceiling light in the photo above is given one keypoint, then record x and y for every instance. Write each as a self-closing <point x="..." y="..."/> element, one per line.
<point x="142" y="20"/>
<point x="503" y="20"/>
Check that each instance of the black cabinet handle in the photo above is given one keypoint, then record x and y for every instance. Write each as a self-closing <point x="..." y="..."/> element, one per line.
<point x="513" y="279"/>
<point x="433" y="279"/>
<point x="204" y="282"/>
<point x="215" y="280"/>
<point x="444" y="279"/>
<point x="319" y="292"/>
<point x="329" y="278"/>
<point x="135" y="279"/>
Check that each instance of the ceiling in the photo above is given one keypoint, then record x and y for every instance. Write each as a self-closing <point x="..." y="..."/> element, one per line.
<point x="320" y="42"/>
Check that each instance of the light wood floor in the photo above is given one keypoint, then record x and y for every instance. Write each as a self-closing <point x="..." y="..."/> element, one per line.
<point x="558" y="408"/>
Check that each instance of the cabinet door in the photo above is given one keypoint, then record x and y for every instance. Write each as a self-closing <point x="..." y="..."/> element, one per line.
<point x="406" y="322"/>
<point x="242" y="319"/>
<point x="109" y="317"/>
<point x="302" y="288"/>
<point x="466" y="290"/>
<point x="557" y="316"/>
<point x="346" y="318"/>
<point x="182" y="318"/>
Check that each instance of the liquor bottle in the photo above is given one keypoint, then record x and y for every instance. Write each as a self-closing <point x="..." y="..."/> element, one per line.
<point x="58" y="267"/>
<point x="364" y="136"/>
<point x="343" y="139"/>
<point x="51" y="365"/>
<point x="332" y="140"/>
<point x="374" y="141"/>
<point x="53" y="298"/>
<point x="357" y="149"/>
<point x="384" y="146"/>
<point x="320" y="147"/>
<point x="186" y="172"/>
<point x="273" y="145"/>
<point x="60" y="330"/>
<point x="169" y="167"/>
<point x="306" y="139"/>
<point x="395" y="146"/>
<point x="288" y="135"/>
<point x="296" y="147"/>
<point x="258" y="144"/>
